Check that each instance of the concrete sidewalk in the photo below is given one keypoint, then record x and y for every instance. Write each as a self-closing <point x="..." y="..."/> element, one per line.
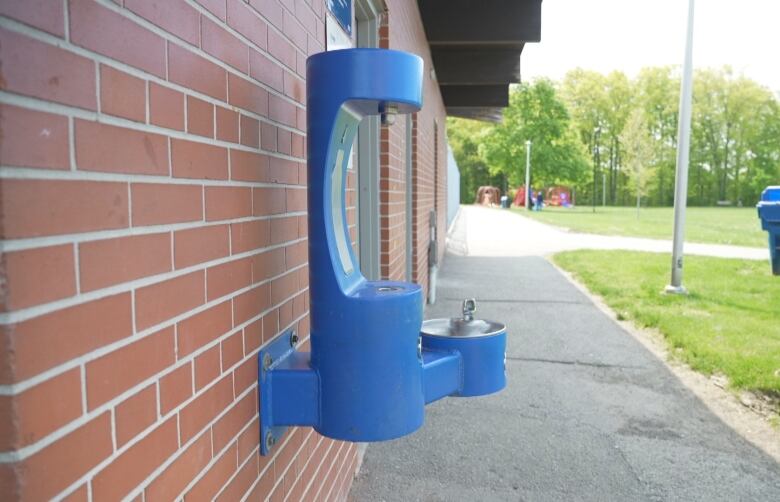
<point x="588" y="412"/>
<point x="484" y="231"/>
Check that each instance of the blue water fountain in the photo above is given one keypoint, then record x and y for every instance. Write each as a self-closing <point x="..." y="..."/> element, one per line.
<point x="769" y="212"/>
<point x="373" y="363"/>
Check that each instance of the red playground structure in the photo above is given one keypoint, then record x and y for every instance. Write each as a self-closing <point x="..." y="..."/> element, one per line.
<point x="559" y="196"/>
<point x="520" y="197"/>
<point x="553" y="196"/>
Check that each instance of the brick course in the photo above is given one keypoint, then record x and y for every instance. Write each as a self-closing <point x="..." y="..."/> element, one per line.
<point x="153" y="215"/>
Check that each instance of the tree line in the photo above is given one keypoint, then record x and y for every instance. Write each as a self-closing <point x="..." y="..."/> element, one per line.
<point x="616" y="138"/>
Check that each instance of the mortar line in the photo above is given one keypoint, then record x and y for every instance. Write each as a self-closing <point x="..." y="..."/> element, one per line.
<point x="39" y="104"/>
<point x="23" y="385"/>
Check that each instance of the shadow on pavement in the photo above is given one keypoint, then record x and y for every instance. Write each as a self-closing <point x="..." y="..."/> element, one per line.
<point x="588" y="412"/>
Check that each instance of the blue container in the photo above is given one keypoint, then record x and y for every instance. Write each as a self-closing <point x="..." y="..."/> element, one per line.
<point x="769" y="213"/>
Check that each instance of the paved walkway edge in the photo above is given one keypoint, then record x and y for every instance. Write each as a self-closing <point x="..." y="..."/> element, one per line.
<point x="726" y="405"/>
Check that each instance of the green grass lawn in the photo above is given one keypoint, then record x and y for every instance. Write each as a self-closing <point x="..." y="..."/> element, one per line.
<point x="738" y="226"/>
<point x="730" y="322"/>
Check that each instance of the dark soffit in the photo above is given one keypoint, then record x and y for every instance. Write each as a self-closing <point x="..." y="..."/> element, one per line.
<point x="476" y="47"/>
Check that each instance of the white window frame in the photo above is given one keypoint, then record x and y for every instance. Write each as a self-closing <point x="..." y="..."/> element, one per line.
<point x="367" y="16"/>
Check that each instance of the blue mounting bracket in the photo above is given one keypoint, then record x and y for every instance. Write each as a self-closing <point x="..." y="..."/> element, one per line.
<point x="286" y="371"/>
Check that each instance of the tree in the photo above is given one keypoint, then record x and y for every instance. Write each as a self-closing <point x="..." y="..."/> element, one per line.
<point x="585" y="95"/>
<point x="657" y="95"/>
<point x="619" y="93"/>
<point x="580" y="131"/>
<point x="638" y="146"/>
<point x="465" y="137"/>
<point x="763" y="158"/>
<point x="732" y="117"/>
<point x="535" y="113"/>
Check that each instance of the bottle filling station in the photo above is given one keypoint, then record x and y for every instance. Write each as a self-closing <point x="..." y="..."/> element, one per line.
<point x="769" y="213"/>
<point x="373" y="364"/>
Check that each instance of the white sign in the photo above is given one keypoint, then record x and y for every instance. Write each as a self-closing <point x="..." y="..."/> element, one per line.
<point x="335" y="36"/>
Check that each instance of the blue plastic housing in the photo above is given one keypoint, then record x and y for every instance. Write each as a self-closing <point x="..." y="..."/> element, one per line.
<point x="482" y="364"/>
<point x="769" y="213"/>
<point x="366" y="378"/>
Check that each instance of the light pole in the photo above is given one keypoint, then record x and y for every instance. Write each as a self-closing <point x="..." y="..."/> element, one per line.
<point x="638" y="195"/>
<point x="596" y="162"/>
<point x="527" y="175"/>
<point x="683" y="149"/>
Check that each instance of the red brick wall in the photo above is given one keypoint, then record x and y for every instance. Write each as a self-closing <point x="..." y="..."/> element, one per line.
<point x="153" y="212"/>
<point x="153" y="217"/>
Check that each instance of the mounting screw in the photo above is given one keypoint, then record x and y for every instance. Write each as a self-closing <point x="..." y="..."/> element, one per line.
<point x="270" y="440"/>
<point x="293" y="338"/>
<point x="267" y="361"/>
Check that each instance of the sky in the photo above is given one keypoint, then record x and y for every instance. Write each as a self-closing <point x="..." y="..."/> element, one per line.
<point x="627" y="35"/>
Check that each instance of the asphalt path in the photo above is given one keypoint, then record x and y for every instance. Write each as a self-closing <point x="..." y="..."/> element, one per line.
<point x="588" y="412"/>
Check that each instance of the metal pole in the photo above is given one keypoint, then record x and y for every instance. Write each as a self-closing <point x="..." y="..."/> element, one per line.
<point x="593" y="197"/>
<point x="527" y="175"/>
<point x="683" y="149"/>
<point x="596" y="161"/>
<point x="638" y="194"/>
